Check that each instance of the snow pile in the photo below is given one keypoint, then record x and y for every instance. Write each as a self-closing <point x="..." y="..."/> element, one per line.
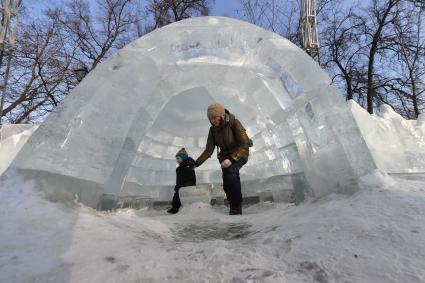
<point x="376" y="235"/>
<point x="397" y="145"/>
<point x="12" y="139"/>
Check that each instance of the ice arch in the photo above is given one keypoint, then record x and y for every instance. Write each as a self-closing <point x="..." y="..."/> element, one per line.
<point x="118" y="131"/>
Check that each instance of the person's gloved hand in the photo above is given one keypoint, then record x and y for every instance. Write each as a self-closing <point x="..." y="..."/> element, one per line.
<point x="226" y="163"/>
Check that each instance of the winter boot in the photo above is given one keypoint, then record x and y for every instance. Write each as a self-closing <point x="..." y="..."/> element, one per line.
<point x="235" y="209"/>
<point x="173" y="210"/>
<point x="239" y="209"/>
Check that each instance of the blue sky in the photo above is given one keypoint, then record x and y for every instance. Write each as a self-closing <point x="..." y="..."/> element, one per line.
<point x="221" y="7"/>
<point x="225" y="7"/>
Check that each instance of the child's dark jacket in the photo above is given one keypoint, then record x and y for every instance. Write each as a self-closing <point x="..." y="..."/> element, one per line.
<point x="185" y="174"/>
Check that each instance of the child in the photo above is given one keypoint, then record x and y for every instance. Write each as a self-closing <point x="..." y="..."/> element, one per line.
<point x="185" y="174"/>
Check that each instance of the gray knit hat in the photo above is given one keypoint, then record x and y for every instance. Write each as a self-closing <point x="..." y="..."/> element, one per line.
<point x="215" y="110"/>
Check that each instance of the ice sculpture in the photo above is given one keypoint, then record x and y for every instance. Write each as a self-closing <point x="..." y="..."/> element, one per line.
<point x="117" y="133"/>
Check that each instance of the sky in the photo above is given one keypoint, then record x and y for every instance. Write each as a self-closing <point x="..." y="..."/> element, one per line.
<point x="226" y="8"/>
<point x="220" y="8"/>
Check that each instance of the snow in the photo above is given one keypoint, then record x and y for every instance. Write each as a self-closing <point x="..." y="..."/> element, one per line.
<point x="375" y="235"/>
<point x="12" y="139"/>
<point x="397" y="145"/>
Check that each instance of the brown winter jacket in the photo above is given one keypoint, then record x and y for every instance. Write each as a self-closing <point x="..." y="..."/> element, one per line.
<point x="230" y="137"/>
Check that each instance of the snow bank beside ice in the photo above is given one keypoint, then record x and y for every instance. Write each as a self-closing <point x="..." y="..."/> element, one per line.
<point x="397" y="145"/>
<point x="376" y="235"/>
<point x="12" y="139"/>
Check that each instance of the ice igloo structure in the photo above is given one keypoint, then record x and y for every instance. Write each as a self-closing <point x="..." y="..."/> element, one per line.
<point x="116" y="135"/>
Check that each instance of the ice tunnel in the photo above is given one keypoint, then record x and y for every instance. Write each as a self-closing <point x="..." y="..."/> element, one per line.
<point x="116" y="135"/>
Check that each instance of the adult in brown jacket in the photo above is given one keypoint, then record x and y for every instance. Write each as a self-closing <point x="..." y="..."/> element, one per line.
<point x="230" y="136"/>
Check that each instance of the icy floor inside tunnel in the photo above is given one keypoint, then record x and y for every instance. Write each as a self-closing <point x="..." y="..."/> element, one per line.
<point x="376" y="235"/>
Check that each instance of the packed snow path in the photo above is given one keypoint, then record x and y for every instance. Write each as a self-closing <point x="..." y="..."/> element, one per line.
<point x="376" y="235"/>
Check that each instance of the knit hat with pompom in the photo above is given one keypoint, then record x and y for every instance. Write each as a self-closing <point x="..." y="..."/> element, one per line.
<point x="182" y="154"/>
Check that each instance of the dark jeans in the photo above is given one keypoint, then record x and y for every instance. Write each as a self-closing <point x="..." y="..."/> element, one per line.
<point x="232" y="182"/>
<point x="176" y="199"/>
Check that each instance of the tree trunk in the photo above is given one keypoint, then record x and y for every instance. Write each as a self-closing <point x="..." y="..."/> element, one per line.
<point x="3" y="34"/>
<point x="415" y="99"/>
<point x="6" y="79"/>
<point x="372" y="53"/>
<point x="370" y="85"/>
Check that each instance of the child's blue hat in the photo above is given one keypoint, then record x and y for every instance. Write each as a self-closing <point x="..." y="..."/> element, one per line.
<point x="183" y="154"/>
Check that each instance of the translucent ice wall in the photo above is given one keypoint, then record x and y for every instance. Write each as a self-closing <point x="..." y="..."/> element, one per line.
<point x="119" y="130"/>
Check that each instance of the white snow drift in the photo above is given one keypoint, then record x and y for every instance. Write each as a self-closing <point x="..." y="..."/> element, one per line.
<point x="12" y="139"/>
<point x="396" y="145"/>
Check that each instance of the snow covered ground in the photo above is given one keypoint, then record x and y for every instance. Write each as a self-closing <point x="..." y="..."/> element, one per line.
<point x="376" y="235"/>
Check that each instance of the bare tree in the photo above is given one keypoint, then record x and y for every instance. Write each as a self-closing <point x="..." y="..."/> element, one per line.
<point x="380" y="17"/>
<point x="50" y="48"/>
<point x="8" y="30"/>
<point x="39" y="73"/>
<point x="361" y="48"/>
<point x="410" y="51"/>
<point x="142" y="26"/>
<point x="277" y="16"/>
<point x="95" y="36"/>
<point x="341" y="50"/>
<point x="165" y="12"/>
<point x="375" y="27"/>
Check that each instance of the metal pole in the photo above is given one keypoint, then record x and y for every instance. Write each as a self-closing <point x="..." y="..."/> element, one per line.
<point x="310" y="38"/>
